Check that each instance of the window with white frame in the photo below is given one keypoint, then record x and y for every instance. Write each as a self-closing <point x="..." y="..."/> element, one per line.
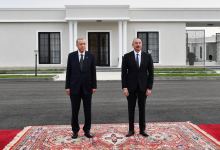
<point x="49" y="47"/>
<point x="150" y="41"/>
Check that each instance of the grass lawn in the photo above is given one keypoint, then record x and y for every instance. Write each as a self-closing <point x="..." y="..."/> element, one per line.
<point x="159" y="72"/>
<point x="188" y="75"/>
<point x="30" y="71"/>
<point x="26" y="76"/>
<point x="183" y="70"/>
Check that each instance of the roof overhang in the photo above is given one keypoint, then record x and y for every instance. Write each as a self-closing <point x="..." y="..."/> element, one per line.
<point x="97" y="12"/>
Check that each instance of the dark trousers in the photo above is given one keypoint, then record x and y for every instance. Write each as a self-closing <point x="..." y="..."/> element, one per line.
<point x="75" y="103"/>
<point x="132" y="100"/>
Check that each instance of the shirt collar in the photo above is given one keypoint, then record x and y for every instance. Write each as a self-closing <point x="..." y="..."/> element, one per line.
<point x="81" y="53"/>
<point x="137" y="53"/>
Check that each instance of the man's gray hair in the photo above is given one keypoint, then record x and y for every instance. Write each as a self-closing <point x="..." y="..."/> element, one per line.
<point x="136" y="39"/>
<point x="80" y="39"/>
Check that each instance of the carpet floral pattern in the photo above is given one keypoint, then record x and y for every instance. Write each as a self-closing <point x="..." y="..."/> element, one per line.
<point x="163" y="136"/>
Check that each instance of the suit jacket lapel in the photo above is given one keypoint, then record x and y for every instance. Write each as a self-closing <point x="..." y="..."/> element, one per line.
<point x="85" y="61"/>
<point x="133" y="59"/>
<point x="142" y="59"/>
<point x="77" y="60"/>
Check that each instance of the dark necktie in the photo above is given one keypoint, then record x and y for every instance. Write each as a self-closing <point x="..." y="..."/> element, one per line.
<point x="81" y="62"/>
<point x="137" y="60"/>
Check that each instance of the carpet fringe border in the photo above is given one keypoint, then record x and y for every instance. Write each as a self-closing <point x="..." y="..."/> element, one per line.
<point x="16" y="138"/>
<point x="205" y="133"/>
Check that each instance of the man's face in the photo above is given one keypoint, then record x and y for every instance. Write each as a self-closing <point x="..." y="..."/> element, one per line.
<point x="137" y="45"/>
<point x="81" y="45"/>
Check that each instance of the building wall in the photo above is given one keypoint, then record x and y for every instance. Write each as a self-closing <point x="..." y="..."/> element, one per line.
<point x="211" y="49"/>
<point x="32" y="15"/>
<point x="189" y="15"/>
<point x="198" y="50"/>
<point x="18" y="36"/>
<point x="172" y="40"/>
<point x="19" y="40"/>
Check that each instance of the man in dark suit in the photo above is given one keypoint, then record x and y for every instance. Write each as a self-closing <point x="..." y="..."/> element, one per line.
<point x="137" y="81"/>
<point x="81" y="84"/>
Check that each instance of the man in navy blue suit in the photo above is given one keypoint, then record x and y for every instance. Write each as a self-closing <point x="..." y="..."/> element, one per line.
<point x="81" y="84"/>
<point x="137" y="82"/>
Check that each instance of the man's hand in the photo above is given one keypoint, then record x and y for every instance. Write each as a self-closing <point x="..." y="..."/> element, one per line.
<point x="93" y="91"/>
<point x="148" y="92"/>
<point x="68" y="92"/>
<point x="125" y="92"/>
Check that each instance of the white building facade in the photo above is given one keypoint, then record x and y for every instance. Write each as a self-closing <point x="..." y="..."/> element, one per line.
<point x="109" y="30"/>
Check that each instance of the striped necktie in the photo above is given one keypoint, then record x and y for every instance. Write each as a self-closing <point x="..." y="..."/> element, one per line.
<point x="137" y="60"/>
<point x="81" y="62"/>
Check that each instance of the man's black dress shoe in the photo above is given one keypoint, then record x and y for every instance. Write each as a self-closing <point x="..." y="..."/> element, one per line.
<point x="143" y="133"/>
<point x="75" y="135"/>
<point x="130" y="133"/>
<point x="88" y="135"/>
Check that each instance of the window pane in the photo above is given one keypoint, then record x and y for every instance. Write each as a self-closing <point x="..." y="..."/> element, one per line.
<point x="98" y="44"/>
<point x="150" y="42"/>
<point x="104" y="38"/>
<point x="43" y="48"/>
<point x="153" y="45"/>
<point x="93" y="45"/>
<point x="54" y="48"/>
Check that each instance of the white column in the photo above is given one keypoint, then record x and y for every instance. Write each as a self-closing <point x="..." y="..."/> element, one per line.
<point x="124" y="37"/>
<point x="71" y="43"/>
<point x="218" y="52"/>
<point x="75" y="34"/>
<point x="120" y="50"/>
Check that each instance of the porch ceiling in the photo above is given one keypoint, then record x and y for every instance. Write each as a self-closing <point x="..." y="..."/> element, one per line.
<point x="203" y="24"/>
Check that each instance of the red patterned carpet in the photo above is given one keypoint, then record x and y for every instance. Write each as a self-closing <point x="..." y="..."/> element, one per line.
<point x="166" y="136"/>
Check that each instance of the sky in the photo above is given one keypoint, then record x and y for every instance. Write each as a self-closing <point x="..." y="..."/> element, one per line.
<point x="132" y="3"/>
